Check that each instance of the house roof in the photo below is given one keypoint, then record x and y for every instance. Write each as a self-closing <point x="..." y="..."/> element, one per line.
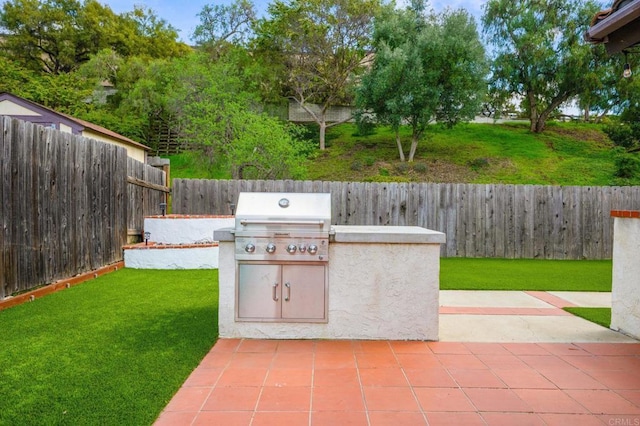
<point x="76" y="124"/>
<point x="618" y="27"/>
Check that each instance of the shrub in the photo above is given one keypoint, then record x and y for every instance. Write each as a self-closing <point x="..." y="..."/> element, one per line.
<point x="479" y="163"/>
<point x="420" y="168"/>
<point x="357" y="165"/>
<point x="621" y="135"/>
<point x="401" y="167"/>
<point x="627" y="166"/>
<point x="365" y="124"/>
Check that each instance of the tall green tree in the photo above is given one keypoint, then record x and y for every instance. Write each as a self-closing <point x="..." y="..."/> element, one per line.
<point x="426" y="68"/>
<point x="143" y="33"/>
<point x="322" y="45"/>
<point x="67" y="93"/>
<point x="540" y="56"/>
<point x="221" y="25"/>
<point x="608" y="92"/>
<point x="56" y="36"/>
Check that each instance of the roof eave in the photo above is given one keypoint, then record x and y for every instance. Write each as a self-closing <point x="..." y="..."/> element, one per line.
<point x="615" y="21"/>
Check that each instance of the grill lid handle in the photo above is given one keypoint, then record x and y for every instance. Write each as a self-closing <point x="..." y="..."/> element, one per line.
<point x="281" y="222"/>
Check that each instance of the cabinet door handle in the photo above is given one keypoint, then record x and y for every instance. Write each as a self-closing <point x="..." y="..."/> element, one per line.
<point x="288" y="296"/>
<point x="274" y="294"/>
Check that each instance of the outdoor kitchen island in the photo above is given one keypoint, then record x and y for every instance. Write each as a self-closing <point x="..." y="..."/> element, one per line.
<point x="382" y="283"/>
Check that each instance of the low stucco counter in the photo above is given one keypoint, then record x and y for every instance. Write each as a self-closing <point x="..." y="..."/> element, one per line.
<point x="383" y="283"/>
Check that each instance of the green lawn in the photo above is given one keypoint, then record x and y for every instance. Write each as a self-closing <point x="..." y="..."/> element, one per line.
<point x="601" y="316"/>
<point x="111" y="351"/>
<point x="525" y="274"/>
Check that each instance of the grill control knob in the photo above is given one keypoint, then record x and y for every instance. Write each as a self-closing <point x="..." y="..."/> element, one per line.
<point x="313" y="249"/>
<point x="271" y="248"/>
<point x="249" y="248"/>
<point x="291" y="248"/>
<point x="302" y="248"/>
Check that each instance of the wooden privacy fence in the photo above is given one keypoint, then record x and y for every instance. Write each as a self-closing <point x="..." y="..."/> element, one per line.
<point x="65" y="204"/>
<point x="146" y="191"/>
<point x="503" y="221"/>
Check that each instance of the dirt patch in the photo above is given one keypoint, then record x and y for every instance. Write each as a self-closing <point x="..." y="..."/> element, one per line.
<point x="588" y="135"/>
<point x="436" y="171"/>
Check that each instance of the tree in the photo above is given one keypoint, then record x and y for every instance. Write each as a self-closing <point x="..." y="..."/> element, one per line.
<point x="57" y="36"/>
<point x="608" y="92"/>
<point x="322" y="44"/>
<point x="426" y="67"/>
<point x="219" y="118"/>
<point x="66" y="93"/>
<point x="143" y="33"/>
<point x="220" y="25"/>
<point x="540" y="55"/>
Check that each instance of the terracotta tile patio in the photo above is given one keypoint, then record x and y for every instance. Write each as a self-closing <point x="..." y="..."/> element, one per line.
<point x="271" y="382"/>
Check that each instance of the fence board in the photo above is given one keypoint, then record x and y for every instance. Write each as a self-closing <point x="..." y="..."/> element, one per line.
<point x="5" y="156"/>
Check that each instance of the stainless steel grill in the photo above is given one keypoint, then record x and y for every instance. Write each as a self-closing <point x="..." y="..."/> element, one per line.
<point x="282" y="255"/>
<point x="283" y="226"/>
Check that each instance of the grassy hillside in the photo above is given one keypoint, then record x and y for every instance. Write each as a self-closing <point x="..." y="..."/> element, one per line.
<point x="566" y="154"/>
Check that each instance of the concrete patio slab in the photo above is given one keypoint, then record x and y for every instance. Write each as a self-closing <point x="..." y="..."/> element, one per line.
<point x="591" y="299"/>
<point x="524" y="328"/>
<point x="493" y="299"/>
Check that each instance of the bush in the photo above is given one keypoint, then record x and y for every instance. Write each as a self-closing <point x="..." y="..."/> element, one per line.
<point x="365" y="124"/>
<point x="383" y="172"/>
<point x="420" y="168"/>
<point x="627" y="166"/>
<point x="357" y="165"/>
<point x="621" y="135"/>
<point x="401" y="168"/>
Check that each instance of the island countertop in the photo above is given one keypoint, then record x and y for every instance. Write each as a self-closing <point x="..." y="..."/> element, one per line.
<point x="386" y="234"/>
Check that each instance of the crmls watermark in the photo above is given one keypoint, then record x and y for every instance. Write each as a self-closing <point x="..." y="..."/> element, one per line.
<point x="624" y="421"/>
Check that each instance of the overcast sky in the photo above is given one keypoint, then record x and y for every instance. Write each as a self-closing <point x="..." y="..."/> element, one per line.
<point x="182" y="14"/>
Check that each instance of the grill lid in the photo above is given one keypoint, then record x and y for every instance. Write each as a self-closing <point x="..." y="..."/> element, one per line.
<point x="282" y="210"/>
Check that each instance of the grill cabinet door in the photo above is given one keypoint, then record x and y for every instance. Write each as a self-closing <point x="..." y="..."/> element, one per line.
<point x="303" y="292"/>
<point x="256" y="291"/>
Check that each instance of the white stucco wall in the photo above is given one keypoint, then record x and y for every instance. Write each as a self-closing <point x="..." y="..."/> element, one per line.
<point x="172" y="258"/>
<point x="625" y="292"/>
<point x="376" y="291"/>
<point x="181" y="230"/>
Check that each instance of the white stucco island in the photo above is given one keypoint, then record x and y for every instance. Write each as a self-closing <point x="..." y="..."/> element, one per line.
<point x="383" y="283"/>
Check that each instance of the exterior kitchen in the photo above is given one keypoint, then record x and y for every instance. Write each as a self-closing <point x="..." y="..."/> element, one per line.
<point x="285" y="272"/>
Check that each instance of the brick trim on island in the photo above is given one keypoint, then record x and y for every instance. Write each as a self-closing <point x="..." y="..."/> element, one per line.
<point x="631" y="214"/>
<point x="159" y="246"/>
<point x="190" y="216"/>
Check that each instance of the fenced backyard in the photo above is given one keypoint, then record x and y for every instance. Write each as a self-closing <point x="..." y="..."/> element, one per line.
<point x="496" y="221"/>
<point x="66" y="204"/>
